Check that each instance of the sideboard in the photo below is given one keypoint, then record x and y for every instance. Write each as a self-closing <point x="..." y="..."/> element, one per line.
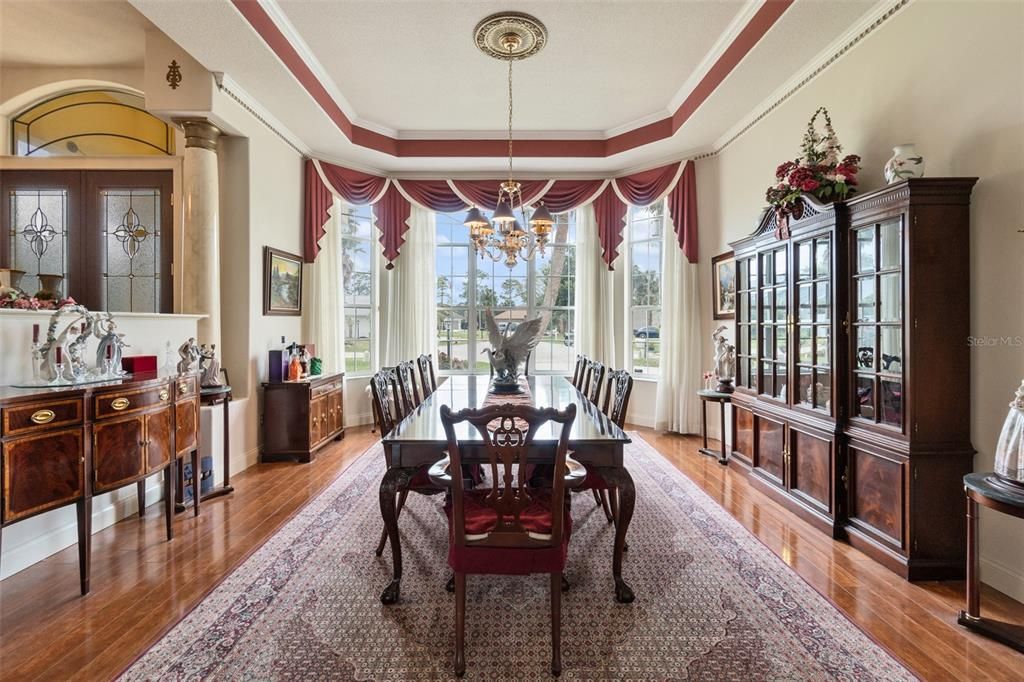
<point x="300" y="417"/>
<point x="62" y="445"/>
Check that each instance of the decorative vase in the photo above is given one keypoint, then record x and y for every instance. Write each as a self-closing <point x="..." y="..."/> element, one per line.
<point x="1009" y="465"/>
<point x="9" y="277"/>
<point x="905" y="163"/>
<point x="50" y="287"/>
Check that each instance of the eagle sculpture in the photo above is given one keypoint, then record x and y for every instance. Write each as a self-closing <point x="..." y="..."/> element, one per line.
<point x="509" y="351"/>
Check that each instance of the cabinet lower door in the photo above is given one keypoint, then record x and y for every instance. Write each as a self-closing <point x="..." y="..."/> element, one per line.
<point x="158" y="439"/>
<point x="877" y="497"/>
<point x="316" y="411"/>
<point x="186" y="426"/>
<point x="770" y="452"/>
<point x="42" y="472"/>
<point x="117" y="452"/>
<point x="811" y="469"/>
<point x="743" y="434"/>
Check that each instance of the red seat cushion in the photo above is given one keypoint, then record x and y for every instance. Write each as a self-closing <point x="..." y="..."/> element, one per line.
<point x="593" y="481"/>
<point x="480" y="519"/>
<point x="421" y="479"/>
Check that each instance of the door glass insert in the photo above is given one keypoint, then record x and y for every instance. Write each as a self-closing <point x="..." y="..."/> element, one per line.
<point x="131" y="236"/>
<point x="38" y="235"/>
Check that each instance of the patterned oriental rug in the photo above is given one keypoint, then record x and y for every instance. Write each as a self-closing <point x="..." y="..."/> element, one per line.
<point x="712" y="601"/>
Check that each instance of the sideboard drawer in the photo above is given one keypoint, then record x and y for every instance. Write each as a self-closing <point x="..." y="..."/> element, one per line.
<point x="120" y="403"/>
<point x="45" y="414"/>
<point x="327" y="388"/>
<point x="186" y="387"/>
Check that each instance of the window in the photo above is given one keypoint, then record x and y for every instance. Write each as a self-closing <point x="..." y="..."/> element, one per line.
<point x="467" y="285"/>
<point x="90" y="123"/>
<point x="645" y="234"/>
<point x="357" y="271"/>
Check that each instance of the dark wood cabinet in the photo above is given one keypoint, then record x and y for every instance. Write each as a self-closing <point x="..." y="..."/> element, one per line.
<point x="853" y="376"/>
<point x="62" y="446"/>
<point x="300" y="417"/>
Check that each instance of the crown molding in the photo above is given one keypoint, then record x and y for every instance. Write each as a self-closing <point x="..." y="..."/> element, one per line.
<point x="232" y="90"/>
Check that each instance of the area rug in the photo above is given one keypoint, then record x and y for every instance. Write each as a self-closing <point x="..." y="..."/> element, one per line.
<point x="712" y="601"/>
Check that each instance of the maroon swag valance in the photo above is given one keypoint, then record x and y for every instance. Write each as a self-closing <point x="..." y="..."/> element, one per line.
<point x="392" y="200"/>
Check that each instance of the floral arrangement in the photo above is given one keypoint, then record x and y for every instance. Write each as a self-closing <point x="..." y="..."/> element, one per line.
<point x="19" y="300"/>
<point x="818" y="171"/>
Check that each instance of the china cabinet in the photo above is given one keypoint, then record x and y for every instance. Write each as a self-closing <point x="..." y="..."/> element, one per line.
<point x="853" y="386"/>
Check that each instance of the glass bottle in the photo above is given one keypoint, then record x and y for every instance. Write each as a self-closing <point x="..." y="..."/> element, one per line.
<point x="294" y="366"/>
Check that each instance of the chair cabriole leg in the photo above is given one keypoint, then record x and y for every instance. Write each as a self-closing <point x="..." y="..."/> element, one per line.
<point x="460" y="624"/>
<point x="556" y="624"/>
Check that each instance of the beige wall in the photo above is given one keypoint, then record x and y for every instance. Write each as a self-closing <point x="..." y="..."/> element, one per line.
<point x="947" y="76"/>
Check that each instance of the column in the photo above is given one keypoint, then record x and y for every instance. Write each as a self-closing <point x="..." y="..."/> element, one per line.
<point x="201" y="204"/>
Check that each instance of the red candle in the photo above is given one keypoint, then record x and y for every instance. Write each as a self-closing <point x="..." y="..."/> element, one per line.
<point x="35" y="333"/>
<point x="60" y="355"/>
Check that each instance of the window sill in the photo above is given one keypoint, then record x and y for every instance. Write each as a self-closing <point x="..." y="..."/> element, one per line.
<point x="646" y="378"/>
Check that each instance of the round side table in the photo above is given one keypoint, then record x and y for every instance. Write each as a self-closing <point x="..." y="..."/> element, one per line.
<point x="707" y="396"/>
<point x="987" y="490"/>
<point x="210" y="396"/>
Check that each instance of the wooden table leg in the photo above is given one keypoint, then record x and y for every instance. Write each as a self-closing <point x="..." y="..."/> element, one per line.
<point x="626" y="490"/>
<point x="721" y="413"/>
<point x="394" y="480"/>
<point x="141" y="487"/>
<point x="227" y="447"/>
<point x="704" y="423"/>
<point x="973" y="576"/>
<point x="197" y="476"/>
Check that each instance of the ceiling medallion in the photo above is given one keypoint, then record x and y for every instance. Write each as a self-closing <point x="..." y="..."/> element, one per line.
<point x="495" y="34"/>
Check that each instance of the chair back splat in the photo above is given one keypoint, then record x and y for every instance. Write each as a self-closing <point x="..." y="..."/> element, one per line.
<point x="384" y="407"/>
<point x="616" y="398"/>
<point x="427" y="379"/>
<point x="579" y="370"/>
<point x="596" y="376"/>
<point x="508" y="432"/>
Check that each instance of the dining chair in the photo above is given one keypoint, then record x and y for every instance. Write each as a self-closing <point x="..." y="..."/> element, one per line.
<point x="510" y="527"/>
<point x="385" y="401"/>
<point x="405" y="376"/>
<point x="616" y="402"/>
<point x="577" y="372"/>
<point x="427" y="378"/>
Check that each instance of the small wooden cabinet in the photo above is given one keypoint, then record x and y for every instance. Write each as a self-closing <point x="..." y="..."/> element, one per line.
<point x="62" y="446"/>
<point x="300" y="417"/>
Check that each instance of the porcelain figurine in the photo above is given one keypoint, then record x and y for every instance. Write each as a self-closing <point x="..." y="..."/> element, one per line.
<point x="106" y="332"/>
<point x="189" y="353"/>
<point x="1010" y="448"/>
<point x="725" y="360"/>
<point x="209" y="366"/>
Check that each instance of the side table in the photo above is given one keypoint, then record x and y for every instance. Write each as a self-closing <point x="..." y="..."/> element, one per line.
<point x="715" y="397"/>
<point x="211" y="397"/>
<point x="987" y="490"/>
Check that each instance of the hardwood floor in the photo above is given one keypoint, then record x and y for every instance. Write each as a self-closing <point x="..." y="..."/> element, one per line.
<point x="142" y="585"/>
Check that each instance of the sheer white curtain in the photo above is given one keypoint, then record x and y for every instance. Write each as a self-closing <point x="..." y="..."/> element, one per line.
<point x="410" y="308"/>
<point x="323" y="314"/>
<point x="678" y="406"/>
<point x="594" y="327"/>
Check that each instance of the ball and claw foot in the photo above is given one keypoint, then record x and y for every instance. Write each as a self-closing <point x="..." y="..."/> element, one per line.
<point x="565" y="584"/>
<point x="391" y="593"/>
<point x="623" y="592"/>
<point x="450" y="585"/>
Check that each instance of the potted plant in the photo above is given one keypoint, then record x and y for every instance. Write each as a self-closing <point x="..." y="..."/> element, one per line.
<point x="818" y="171"/>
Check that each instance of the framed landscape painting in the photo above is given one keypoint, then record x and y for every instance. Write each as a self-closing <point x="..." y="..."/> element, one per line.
<point x="723" y="285"/>
<point x="282" y="282"/>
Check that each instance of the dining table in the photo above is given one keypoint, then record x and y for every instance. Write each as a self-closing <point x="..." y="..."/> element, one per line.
<point x="419" y="439"/>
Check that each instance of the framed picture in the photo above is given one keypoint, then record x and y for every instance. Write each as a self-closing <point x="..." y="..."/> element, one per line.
<point x="282" y="282"/>
<point x="723" y="286"/>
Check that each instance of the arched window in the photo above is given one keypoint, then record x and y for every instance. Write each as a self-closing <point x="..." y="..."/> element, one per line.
<point x="90" y="123"/>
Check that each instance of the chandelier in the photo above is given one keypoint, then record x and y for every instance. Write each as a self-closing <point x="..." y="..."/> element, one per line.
<point x="510" y="36"/>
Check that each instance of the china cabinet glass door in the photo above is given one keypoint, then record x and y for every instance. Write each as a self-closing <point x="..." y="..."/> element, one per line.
<point x="813" y="322"/>
<point x="746" y="321"/>
<point x="774" y="322"/>
<point x="878" y="322"/>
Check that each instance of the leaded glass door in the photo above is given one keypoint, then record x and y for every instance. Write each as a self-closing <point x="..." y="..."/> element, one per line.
<point x="812" y="322"/>
<point x="747" y="321"/>
<point x="774" y="325"/>
<point x="877" y="312"/>
<point x="106" y="234"/>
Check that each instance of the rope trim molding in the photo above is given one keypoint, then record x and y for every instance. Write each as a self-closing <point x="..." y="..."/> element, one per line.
<point x="811" y="76"/>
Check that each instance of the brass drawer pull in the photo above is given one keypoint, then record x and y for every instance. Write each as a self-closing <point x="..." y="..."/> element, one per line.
<point x="43" y="416"/>
<point x="120" y="404"/>
<point x="164" y="395"/>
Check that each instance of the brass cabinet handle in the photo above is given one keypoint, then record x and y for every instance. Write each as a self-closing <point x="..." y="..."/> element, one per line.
<point x="43" y="416"/>
<point x="164" y="395"/>
<point x="120" y="404"/>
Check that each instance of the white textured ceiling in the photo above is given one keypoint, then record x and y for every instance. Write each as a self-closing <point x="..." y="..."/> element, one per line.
<point x="45" y="33"/>
<point x="413" y="66"/>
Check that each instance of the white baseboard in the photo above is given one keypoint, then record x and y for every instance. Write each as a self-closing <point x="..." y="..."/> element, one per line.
<point x="56" y="530"/>
<point x="363" y="419"/>
<point x="1007" y="580"/>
